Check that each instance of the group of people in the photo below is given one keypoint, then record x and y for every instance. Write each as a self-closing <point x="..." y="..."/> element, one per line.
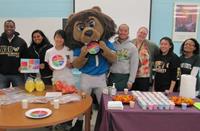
<point x="13" y="48"/>
<point x="137" y="64"/>
<point x="140" y="63"/>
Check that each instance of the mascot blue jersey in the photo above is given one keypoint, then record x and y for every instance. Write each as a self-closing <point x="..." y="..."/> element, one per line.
<point x="90" y="67"/>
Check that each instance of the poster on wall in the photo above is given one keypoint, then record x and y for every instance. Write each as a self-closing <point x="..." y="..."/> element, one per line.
<point x="185" y="21"/>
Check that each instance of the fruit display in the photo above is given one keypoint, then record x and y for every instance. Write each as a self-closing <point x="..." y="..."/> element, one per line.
<point x="124" y="98"/>
<point x="178" y="100"/>
<point x="64" y="87"/>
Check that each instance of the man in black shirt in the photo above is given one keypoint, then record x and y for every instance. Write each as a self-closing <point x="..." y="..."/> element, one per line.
<point x="12" y="49"/>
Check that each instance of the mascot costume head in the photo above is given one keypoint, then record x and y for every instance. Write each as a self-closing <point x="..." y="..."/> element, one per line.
<point x="89" y="26"/>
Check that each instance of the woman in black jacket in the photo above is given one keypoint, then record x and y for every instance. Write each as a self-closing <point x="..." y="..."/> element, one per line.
<point x="166" y="64"/>
<point x="39" y="45"/>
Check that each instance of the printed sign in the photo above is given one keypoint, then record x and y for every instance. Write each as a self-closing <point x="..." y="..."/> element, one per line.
<point x="30" y="65"/>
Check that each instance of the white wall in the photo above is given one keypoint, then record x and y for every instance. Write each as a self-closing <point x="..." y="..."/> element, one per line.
<point x="135" y="13"/>
<point x="25" y="26"/>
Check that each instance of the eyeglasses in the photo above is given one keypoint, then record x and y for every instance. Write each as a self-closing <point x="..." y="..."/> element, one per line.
<point x="189" y="44"/>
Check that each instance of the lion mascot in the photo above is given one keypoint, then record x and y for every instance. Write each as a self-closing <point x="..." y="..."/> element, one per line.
<point x="88" y="33"/>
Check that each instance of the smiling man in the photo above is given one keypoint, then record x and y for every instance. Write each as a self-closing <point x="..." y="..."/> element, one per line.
<point x="123" y="71"/>
<point x="12" y="49"/>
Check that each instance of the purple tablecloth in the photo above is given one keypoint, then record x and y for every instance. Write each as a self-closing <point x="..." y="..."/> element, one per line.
<point x="137" y="119"/>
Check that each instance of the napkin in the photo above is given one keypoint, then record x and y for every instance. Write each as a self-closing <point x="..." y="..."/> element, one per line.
<point x="115" y="105"/>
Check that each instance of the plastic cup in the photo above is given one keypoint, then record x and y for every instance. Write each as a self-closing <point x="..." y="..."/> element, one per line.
<point x="132" y="104"/>
<point x="183" y="106"/>
<point x="126" y="91"/>
<point x="56" y="104"/>
<point x="83" y="94"/>
<point x="105" y="90"/>
<point x="24" y="104"/>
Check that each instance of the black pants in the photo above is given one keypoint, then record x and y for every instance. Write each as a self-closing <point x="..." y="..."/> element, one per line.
<point x="120" y="80"/>
<point x="141" y="84"/>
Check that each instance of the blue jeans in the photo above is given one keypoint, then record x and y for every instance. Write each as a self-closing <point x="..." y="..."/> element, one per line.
<point x="15" y="80"/>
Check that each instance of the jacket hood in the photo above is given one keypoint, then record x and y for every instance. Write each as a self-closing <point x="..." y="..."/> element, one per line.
<point x="3" y="35"/>
<point x="124" y="42"/>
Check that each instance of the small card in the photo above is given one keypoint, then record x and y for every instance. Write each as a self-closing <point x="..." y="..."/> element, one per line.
<point x="30" y="65"/>
<point x="115" y="105"/>
<point x="53" y="94"/>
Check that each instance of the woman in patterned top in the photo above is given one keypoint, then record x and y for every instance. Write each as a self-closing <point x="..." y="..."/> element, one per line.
<point x="146" y="51"/>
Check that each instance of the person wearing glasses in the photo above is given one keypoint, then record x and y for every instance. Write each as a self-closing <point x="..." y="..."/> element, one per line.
<point x="189" y="58"/>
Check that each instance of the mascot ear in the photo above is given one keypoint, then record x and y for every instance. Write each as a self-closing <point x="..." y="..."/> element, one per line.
<point x="70" y="17"/>
<point x="96" y="8"/>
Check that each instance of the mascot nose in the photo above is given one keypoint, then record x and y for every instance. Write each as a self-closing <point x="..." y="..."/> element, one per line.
<point x="88" y="33"/>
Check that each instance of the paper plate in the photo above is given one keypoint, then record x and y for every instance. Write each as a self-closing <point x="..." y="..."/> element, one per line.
<point x="58" y="62"/>
<point x="38" y="113"/>
<point x="93" y="48"/>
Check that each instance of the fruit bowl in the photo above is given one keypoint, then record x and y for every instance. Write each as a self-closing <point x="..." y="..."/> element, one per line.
<point x="123" y="98"/>
<point x="178" y="100"/>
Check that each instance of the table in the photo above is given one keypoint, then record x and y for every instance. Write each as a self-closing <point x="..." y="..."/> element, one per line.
<point x="12" y="116"/>
<point x="137" y="119"/>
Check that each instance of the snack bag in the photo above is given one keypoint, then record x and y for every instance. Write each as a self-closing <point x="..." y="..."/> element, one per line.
<point x="29" y="85"/>
<point x="39" y="85"/>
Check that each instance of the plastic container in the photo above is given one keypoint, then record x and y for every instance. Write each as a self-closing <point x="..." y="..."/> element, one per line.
<point x="76" y="74"/>
<point x="113" y="90"/>
<point x="39" y="85"/>
<point x="30" y="85"/>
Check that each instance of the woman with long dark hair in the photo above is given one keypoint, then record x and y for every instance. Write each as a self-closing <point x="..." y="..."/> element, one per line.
<point x="37" y="49"/>
<point x="189" y="58"/>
